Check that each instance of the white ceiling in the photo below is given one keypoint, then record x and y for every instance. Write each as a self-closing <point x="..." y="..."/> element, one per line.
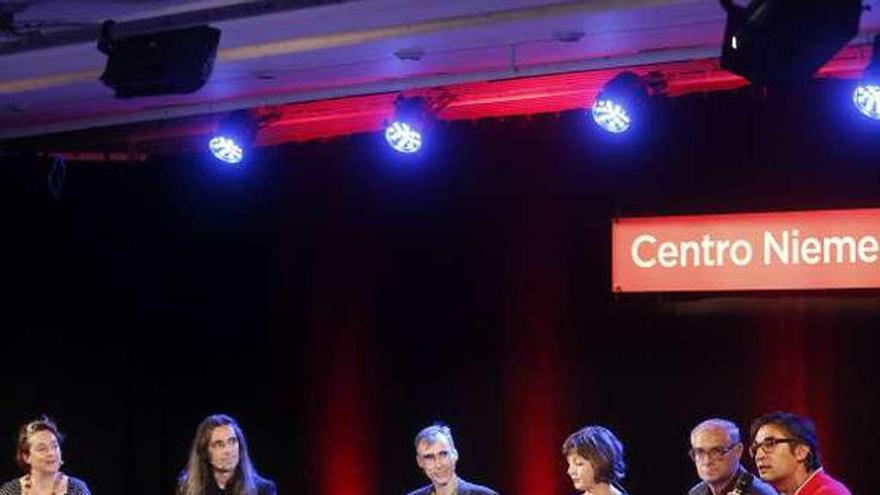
<point x="309" y="50"/>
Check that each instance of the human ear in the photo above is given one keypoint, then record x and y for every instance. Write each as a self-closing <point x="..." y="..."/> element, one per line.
<point x="801" y="452"/>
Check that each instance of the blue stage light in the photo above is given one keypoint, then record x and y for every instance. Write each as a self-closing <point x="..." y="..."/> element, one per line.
<point x="867" y="99"/>
<point x="611" y="116"/>
<point x="617" y="106"/>
<point x="235" y="135"/>
<point x="403" y="138"/>
<point x="226" y="149"/>
<point x="408" y="131"/>
<point x="866" y="96"/>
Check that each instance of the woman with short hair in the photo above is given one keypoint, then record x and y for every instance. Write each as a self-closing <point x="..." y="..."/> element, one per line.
<point x="595" y="461"/>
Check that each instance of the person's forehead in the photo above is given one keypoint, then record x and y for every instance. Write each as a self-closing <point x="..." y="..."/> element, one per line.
<point x="437" y="444"/>
<point x="573" y="456"/>
<point x="771" y="430"/>
<point x="222" y="432"/>
<point x="710" y="435"/>
<point x="42" y="436"/>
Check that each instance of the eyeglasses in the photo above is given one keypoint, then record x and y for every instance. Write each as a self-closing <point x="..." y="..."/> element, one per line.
<point x="768" y="444"/>
<point x="713" y="454"/>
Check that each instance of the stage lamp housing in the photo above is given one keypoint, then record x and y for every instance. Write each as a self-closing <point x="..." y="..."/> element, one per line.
<point x="235" y="136"/>
<point x="620" y="102"/>
<point x="866" y="95"/>
<point x="782" y="42"/>
<point x="168" y="62"/>
<point x="406" y="132"/>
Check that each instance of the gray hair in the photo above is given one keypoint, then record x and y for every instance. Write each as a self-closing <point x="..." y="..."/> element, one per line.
<point x="431" y="433"/>
<point x="722" y="424"/>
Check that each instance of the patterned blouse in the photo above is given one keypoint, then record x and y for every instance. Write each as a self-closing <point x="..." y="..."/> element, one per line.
<point x="74" y="487"/>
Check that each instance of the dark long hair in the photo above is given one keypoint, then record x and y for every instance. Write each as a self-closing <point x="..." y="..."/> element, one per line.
<point x="197" y="475"/>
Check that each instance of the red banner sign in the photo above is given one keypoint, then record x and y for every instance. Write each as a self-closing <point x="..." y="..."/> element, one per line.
<point x="832" y="249"/>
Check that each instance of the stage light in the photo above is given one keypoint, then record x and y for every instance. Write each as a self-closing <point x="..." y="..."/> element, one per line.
<point x="403" y="138"/>
<point x="234" y="137"/>
<point x="867" y="100"/>
<point x="226" y="149"/>
<point x="866" y="96"/>
<point x="407" y="131"/>
<point x="168" y="62"/>
<point x="779" y="42"/>
<point x="616" y="107"/>
<point x="611" y="116"/>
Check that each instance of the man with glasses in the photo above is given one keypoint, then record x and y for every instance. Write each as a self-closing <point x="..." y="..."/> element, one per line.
<point x="794" y="468"/>
<point x="716" y="451"/>
<point x="436" y="455"/>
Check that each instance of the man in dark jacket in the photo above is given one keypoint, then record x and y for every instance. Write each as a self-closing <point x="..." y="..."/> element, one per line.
<point x="219" y="462"/>
<point x="716" y="450"/>
<point x="436" y="455"/>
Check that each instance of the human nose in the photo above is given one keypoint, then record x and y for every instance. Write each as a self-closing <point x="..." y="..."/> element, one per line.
<point x="759" y="454"/>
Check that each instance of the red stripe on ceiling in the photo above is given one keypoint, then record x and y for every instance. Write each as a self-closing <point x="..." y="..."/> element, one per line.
<point x="486" y="99"/>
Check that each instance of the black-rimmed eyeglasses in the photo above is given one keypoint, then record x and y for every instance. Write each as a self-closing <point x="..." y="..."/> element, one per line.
<point x="768" y="444"/>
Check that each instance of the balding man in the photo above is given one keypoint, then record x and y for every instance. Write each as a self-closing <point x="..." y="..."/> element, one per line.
<point x="716" y="450"/>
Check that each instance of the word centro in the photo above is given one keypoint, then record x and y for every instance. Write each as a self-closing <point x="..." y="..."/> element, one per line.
<point x="785" y="248"/>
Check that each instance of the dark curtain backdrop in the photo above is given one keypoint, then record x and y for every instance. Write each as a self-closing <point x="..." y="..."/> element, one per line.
<point x="336" y="299"/>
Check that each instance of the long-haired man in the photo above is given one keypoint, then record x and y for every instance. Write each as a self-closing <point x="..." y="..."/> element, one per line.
<point x="219" y="463"/>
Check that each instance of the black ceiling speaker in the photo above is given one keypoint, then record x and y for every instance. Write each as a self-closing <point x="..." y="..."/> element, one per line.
<point x="167" y="62"/>
<point x="780" y="42"/>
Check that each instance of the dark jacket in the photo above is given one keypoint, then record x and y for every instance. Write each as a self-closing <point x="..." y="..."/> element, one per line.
<point x="264" y="487"/>
<point x="464" y="488"/>
<point x="756" y="487"/>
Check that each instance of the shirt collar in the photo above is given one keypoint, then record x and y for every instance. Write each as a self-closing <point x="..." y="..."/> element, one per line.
<point x="814" y="473"/>
<point x="730" y="484"/>
<point x="454" y="490"/>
